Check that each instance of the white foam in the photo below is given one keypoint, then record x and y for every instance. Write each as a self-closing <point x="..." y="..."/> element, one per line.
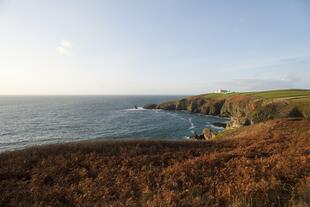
<point x="216" y="127"/>
<point x="136" y="109"/>
<point x="172" y="114"/>
<point x="191" y="123"/>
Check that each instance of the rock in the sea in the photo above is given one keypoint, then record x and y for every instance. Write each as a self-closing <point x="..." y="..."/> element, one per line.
<point x="208" y="134"/>
<point x="150" y="106"/>
<point x="197" y="137"/>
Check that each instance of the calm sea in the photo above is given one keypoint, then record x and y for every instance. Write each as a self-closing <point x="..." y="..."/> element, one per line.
<point x="35" y="120"/>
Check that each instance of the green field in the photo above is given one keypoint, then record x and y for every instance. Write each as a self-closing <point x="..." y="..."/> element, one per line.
<point x="218" y="95"/>
<point x="283" y="94"/>
<point x="299" y="98"/>
<point x="274" y="103"/>
<point x="293" y="94"/>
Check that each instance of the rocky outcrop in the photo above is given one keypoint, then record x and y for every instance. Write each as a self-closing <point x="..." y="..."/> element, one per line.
<point x="197" y="137"/>
<point x="182" y="104"/>
<point x="171" y="105"/>
<point x="243" y="109"/>
<point x="150" y="106"/>
<point x="212" y="107"/>
<point x="207" y="134"/>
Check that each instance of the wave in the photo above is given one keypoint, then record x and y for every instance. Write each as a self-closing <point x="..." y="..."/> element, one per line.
<point x="140" y="108"/>
<point x="191" y="123"/>
<point x="216" y="127"/>
<point x="158" y="110"/>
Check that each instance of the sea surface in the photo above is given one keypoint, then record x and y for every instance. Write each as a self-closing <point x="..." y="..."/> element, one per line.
<point x="36" y="120"/>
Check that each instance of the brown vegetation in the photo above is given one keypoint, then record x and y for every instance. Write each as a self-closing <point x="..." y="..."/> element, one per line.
<point x="266" y="164"/>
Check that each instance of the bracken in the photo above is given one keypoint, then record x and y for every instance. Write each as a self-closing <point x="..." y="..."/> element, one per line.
<point x="265" y="164"/>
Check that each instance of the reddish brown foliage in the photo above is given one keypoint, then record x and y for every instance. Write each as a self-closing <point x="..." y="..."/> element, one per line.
<point x="260" y="165"/>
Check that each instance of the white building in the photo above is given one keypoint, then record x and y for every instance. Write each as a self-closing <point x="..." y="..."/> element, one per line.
<point x="221" y="91"/>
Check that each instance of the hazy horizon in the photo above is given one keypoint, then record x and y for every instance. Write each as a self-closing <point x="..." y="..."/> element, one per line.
<point x="145" y="94"/>
<point x="152" y="47"/>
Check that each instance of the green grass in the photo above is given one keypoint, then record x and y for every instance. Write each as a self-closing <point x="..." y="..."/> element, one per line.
<point x="273" y="94"/>
<point x="299" y="98"/>
<point x="283" y="94"/>
<point x="217" y="95"/>
<point x="303" y="104"/>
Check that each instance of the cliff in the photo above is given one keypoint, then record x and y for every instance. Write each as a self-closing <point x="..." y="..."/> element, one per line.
<point x="245" y="108"/>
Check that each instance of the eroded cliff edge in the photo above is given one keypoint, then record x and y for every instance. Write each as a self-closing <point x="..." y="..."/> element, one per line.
<point x="245" y="108"/>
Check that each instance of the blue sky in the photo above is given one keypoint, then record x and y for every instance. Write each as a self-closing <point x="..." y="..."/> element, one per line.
<point x="153" y="47"/>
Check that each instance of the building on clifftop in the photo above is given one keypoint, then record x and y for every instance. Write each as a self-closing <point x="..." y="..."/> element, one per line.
<point x="221" y="91"/>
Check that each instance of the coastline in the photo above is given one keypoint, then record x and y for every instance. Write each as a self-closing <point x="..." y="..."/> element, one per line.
<point x="244" y="108"/>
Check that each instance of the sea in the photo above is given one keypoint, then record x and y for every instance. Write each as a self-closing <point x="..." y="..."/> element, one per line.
<point x="36" y="120"/>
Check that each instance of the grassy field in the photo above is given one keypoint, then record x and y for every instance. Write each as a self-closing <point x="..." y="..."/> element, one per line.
<point x="217" y="95"/>
<point x="283" y="94"/>
<point x="266" y="164"/>
<point x="299" y="98"/>
<point x="273" y="94"/>
<point x="247" y="107"/>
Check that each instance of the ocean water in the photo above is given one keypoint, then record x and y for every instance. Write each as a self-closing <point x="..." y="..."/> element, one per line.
<point x="35" y="120"/>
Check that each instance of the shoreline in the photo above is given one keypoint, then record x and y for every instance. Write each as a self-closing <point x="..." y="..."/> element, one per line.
<point x="245" y="108"/>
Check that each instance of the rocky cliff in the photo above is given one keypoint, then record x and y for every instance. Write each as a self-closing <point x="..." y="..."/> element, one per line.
<point x="242" y="108"/>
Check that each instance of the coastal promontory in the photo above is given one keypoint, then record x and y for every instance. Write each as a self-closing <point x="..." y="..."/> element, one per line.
<point x="245" y="108"/>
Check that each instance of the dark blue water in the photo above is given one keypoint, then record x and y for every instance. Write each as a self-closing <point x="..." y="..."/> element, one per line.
<point x="34" y="120"/>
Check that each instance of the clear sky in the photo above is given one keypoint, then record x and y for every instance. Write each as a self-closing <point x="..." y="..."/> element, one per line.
<point x="153" y="46"/>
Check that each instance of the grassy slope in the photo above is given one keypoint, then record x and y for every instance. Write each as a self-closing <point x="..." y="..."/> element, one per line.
<point x="266" y="164"/>
<point x="296" y="97"/>
<point x="286" y="94"/>
<point x="273" y="94"/>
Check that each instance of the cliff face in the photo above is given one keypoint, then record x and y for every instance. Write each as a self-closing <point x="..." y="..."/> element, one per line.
<point x="243" y="109"/>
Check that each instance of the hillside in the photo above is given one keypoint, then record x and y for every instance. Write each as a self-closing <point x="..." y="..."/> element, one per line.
<point x="265" y="164"/>
<point x="246" y="108"/>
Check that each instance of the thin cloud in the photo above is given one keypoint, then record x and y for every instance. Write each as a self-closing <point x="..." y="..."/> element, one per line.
<point x="65" y="48"/>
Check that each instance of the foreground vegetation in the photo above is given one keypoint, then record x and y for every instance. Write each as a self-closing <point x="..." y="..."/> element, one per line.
<point x="265" y="164"/>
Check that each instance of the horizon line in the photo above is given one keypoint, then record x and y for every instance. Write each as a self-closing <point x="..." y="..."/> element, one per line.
<point x="177" y="94"/>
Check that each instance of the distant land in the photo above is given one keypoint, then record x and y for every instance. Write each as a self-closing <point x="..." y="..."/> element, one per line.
<point x="260" y="159"/>
<point x="245" y="108"/>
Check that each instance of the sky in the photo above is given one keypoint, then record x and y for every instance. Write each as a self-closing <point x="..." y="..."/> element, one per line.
<point x="95" y="47"/>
